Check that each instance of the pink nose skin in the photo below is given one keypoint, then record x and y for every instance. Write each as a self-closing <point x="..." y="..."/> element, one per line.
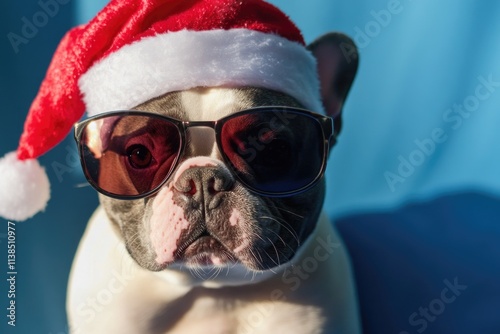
<point x="236" y="219"/>
<point x="167" y="223"/>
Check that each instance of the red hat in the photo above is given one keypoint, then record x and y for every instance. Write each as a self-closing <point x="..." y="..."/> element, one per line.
<point x="135" y="50"/>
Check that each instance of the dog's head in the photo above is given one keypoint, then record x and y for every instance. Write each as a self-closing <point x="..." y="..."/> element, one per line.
<point x="207" y="218"/>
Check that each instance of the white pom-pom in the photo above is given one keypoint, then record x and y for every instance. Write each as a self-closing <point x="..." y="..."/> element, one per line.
<point x="24" y="188"/>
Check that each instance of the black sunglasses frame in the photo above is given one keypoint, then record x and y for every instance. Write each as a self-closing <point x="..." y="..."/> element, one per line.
<point x="326" y="124"/>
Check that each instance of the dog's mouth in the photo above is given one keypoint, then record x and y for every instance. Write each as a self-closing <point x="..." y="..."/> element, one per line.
<point x="205" y="249"/>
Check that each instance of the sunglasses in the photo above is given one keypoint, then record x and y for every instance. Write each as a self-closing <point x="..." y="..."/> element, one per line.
<point x="273" y="151"/>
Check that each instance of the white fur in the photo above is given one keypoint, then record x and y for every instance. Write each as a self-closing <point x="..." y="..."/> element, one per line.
<point x="186" y="59"/>
<point x="24" y="188"/>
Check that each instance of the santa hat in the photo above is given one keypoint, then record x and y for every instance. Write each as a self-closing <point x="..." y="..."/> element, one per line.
<point x="135" y="50"/>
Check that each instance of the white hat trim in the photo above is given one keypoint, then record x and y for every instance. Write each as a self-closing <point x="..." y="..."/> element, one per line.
<point x="186" y="59"/>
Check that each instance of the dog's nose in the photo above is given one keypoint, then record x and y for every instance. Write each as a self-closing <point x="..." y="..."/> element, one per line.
<point x="204" y="184"/>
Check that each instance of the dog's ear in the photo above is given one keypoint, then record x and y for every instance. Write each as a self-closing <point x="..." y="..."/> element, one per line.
<point x="337" y="59"/>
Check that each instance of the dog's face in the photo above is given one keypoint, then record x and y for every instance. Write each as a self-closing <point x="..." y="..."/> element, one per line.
<point x="204" y="216"/>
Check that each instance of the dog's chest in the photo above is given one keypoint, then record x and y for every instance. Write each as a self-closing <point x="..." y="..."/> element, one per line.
<point x="216" y="316"/>
<point x="139" y="310"/>
<point x="239" y="310"/>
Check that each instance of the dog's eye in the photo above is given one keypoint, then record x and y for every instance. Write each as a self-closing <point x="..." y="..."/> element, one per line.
<point x="139" y="156"/>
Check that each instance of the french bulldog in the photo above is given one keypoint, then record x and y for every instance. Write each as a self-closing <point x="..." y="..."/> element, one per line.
<point x="205" y="254"/>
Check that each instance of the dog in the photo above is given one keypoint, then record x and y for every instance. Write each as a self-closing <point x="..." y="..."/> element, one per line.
<point x="230" y="260"/>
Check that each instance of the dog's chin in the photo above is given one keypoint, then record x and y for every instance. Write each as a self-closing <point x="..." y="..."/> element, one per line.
<point x="205" y="251"/>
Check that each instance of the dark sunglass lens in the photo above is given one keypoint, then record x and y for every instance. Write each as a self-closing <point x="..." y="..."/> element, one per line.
<point x="274" y="151"/>
<point x="129" y="155"/>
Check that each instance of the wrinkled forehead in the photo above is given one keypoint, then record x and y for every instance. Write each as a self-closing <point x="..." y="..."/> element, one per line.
<point x="210" y="104"/>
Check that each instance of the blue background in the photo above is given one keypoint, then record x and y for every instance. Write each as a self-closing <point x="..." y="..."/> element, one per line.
<point x="439" y="224"/>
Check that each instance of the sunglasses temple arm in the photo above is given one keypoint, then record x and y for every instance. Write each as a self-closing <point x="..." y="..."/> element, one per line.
<point x="329" y="130"/>
<point x="76" y="131"/>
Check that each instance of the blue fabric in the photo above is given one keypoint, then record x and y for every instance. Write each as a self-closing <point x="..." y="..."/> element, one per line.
<point x="406" y="257"/>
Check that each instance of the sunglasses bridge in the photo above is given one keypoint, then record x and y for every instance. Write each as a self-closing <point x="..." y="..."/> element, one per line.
<point x="92" y="164"/>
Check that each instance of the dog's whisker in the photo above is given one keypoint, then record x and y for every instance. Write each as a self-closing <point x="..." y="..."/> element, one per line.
<point x="254" y="256"/>
<point x="272" y="260"/>
<point x="285" y="244"/>
<point x="276" y="251"/>
<point x="254" y="274"/>
<point x="285" y="225"/>
<point x="290" y="212"/>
